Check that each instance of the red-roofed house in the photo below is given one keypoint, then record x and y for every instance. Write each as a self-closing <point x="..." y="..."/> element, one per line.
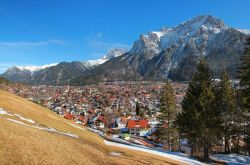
<point x="82" y="120"/>
<point x="101" y="121"/>
<point x="69" y="116"/>
<point x="135" y="126"/>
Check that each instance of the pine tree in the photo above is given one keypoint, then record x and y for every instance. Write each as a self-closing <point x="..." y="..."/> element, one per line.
<point x="199" y="120"/>
<point x="226" y="104"/>
<point x="244" y="76"/>
<point x="167" y="110"/>
<point x="137" y="109"/>
<point x="244" y="106"/>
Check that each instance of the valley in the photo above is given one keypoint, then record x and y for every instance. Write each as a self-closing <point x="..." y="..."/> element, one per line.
<point x="124" y="82"/>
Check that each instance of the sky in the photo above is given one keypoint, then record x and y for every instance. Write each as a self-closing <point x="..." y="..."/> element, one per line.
<point x="38" y="32"/>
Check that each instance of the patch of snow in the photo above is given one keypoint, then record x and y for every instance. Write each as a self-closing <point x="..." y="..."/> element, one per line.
<point x="56" y="131"/>
<point x="167" y="154"/>
<point x="232" y="159"/>
<point x="159" y="60"/>
<point x="35" y="68"/>
<point x="245" y="31"/>
<point x="25" y="119"/>
<point x="76" y="126"/>
<point x="114" y="52"/>
<point x="216" y="30"/>
<point x="92" y="63"/>
<point x="16" y="121"/>
<point x="115" y="153"/>
<point x="63" y="133"/>
<point x="123" y="58"/>
<point x="158" y="33"/>
<point x="44" y="128"/>
<point x="3" y="112"/>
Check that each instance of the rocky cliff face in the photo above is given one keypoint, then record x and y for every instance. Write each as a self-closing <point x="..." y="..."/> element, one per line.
<point x="174" y="53"/>
<point x="170" y="53"/>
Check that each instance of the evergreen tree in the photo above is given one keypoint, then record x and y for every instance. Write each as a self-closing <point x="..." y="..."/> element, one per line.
<point x="226" y="104"/>
<point x="199" y="120"/>
<point x="167" y="114"/>
<point x="243" y="116"/>
<point x="244" y="76"/>
<point x="137" y="109"/>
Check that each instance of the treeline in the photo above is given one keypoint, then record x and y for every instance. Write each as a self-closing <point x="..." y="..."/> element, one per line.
<point x="213" y="113"/>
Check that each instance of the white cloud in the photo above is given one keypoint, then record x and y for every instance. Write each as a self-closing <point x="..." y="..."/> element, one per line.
<point x="22" y="44"/>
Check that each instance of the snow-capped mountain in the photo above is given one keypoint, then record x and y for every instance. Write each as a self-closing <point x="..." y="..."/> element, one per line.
<point x="35" y="68"/>
<point x="167" y="53"/>
<point x="174" y="52"/>
<point x="195" y="31"/>
<point x="93" y="63"/>
<point x="114" y="52"/>
<point x="57" y="73"/>
<point x="246" y="31"/>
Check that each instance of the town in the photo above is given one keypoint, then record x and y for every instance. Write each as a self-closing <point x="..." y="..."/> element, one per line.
<point x="127" y="112"/>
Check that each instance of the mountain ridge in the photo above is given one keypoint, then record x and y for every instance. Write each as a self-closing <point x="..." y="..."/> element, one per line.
<point x="170" y="53"/>
<point x="57" y="73"/>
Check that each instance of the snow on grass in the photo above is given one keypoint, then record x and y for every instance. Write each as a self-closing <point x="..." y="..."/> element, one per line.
<point x="63" y="133"/>
<point x="75" y="126"/>
<point x="44" y="128"/>
<point x="3" y="112"/>
<point x="232" y="159"/>
<point x="16" y="121"/>
<point x="115" y="154"/>
<point x="25" y="119"/>
<point x="167" y="154"/>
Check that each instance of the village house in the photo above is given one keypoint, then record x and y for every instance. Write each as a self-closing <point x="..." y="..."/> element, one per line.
<point x="101" y="121"/>
<point x="136" y="126"/>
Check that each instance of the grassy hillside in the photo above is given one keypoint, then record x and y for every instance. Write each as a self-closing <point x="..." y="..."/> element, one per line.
<point x="24" y="144"/>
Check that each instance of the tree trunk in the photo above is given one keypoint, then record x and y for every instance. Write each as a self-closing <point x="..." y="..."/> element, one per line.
<point x="238" y="142"/>
<point x="206" y="156"/>
<point x="169" y="145"/>
<point x="226" y="142"/>
<point x="228" y="148"/>
<point x="192" y="150"/>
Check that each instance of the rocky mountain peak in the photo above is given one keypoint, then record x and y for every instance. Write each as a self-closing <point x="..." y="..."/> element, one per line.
<point x="203" y="20"/>
<point x="114" y="52"/>
<point x="166" y="53"/>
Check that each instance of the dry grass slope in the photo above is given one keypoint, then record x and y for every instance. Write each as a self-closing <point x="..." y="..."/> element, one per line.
<point x="20" y="144"/>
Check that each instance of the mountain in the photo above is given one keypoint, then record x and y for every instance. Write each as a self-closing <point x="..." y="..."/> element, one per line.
<point x="56" y="74"/>
<point x="114" y="52"/>
<point x="4" y="81"/>
<point x="246" y="31"/>
<point x="169" y="53"/>
<point x="172" y="53"/>
<point x="32" y="134"/>
<point x="60" y="73"/>
<point x="23" y="73"/>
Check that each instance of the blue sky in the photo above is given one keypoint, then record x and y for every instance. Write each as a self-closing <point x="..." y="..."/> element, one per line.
<point x="38" y="32"/>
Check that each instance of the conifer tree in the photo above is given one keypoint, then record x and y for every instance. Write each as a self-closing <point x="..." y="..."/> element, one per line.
<point x="167" y="110"/>
<point x="244" y="76"/>
<point x="137" y="109"/>
<point x="244" y="107"/>
<point x="199" y="120"/>
<point x="226" y="104"/>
